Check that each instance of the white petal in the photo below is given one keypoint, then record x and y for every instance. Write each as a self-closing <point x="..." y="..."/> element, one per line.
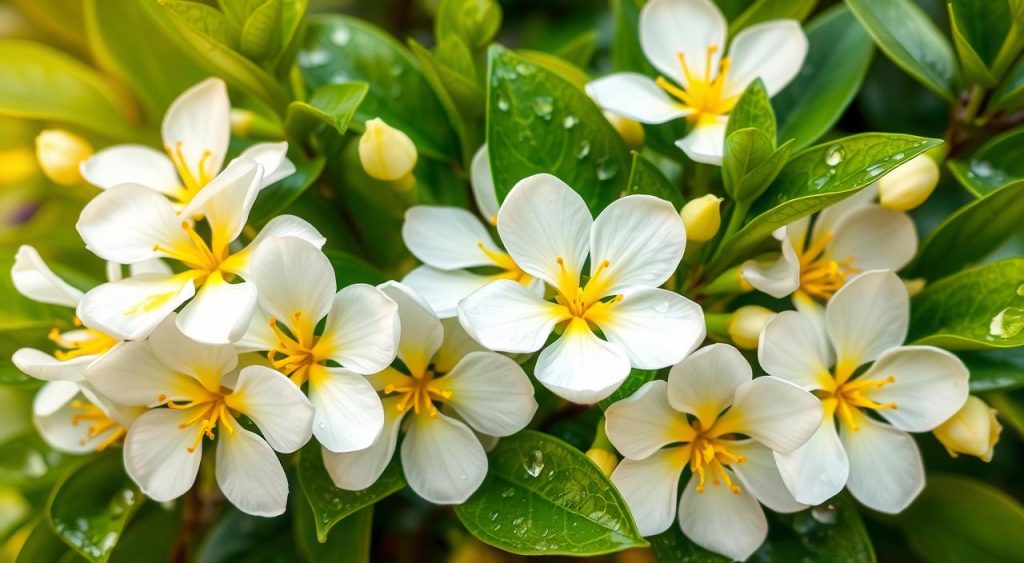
<point x="349" y="415"/>
<point x="637" y="241"/>
<point x="650" y="487"/>
<point x="421" y="331"/>
<point x="362" y="330"/>
<point x="491" y="393"/>
<point x="816" y="471"/>
<point x="35" y="280"/>
<point x="249" y="473"/>
<point x="929" y="386"/>
<point x="443" y="289"/>
<point x="52" y="396"/>
<point x="259" y="337"/>
<point x="655" y="327"/>
<point x="442" y="458"/>
<point x="199" y="119"/>
<point x="355" y="471"/>
<point x="866" y="317"/>
<point x="875" y="238"/>
<point x="777" y="274"/>
<point x="717" y="519"/>
<point x="204" y="362"/>
<point x="643" y="423"/>
<point x="54" y="419"/>
<point x="507" y="317"/>
<point x="131" y="308"/>
<point x="448" y="238"/>
<point x="760" y="475"/>
<point x="276" y="405"/>
<point x="580" y="367"/>
<point x="156" y="455"/>
<point x="774" y="412"/>
<point x="292" y="277"/>
<point x="669" y="28"/>
<point x="151" y="266"/>
<point x="130" y="374"/>
<point x="220" y="312"/>
<point x="705" y="143"/>
<point x="705" y="383"/>
<point x="886" y="472"/>
<point x="125" y="223"/>
<point x="773" y="51"/>
<point x="791" y="348"/>
<point x="41" y="365"/>
<point x="280" y="226"/>
<point x="633" y="95"/>
<point x="827" y="219"/>
<point x="545" y="226"/>
<point x="273" y="158"/>
<point x="132" y="164"/>
<point x="227" y="199"/>
<point x="482" y="181"/>
<point x="457" y="344"/>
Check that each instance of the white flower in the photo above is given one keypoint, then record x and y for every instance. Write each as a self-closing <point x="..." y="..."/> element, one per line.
<point x="666" y="426"/>
<point x="194" y="390"/>
<point x="73" y="417"/>
<point x="684" y="40"/>
<point x="450" y="240"/>
<point x="855" y="235"/>
<point x="634" y="246"/>
<point x="196" y="131"/>
<point x="911" y="388"/>
<point x="130" y="223"/>
<point x="297" y="291"/>
<point x="478" y="390"/>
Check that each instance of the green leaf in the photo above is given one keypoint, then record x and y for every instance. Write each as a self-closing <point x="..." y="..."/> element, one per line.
<point x="275" y="198"/>
<point x="833" y="531"/>
<point x="455" y="66"/>
<point x="91" y="505"/>
<point x="995" y="164"/>
<point x="476" y="22"/>
<point x="971" y="233"/>
<point x="349" y="541"/>
<point x="62" y="19"/>
<point x="905" y="33"/>
<point x="342" y="49"/>
<point x="816" y="178"/>
<point x="237" y="537"/>
<point x="753" y="109"/>
<point x="448" y="83"/>
<point x="332" y="104"/>
<point x="580" y="49"/>
<point x="636" y="379"/>
<point x="557" y="65"/>
<point x="983" y="25"/>
<point x="537" y="122"/>
<point x="767" y="10"/>
<point x="672" y="546"/>
<point x="27" y="462"/>
<point x="974" y="309"/>
<point x="329" y="503"/>
<point x="42" y="545"/>
<point x="39" y="82"/>
<point x="995" y="370"/>
<point x="626" y="52"/>
<point x="203" y="19"/>
<point x="542" y="496"/>
<point x="747" y="172"/>
<point x="260" y="33"/>
<point x="961" y="519"/>
<point x="152" y="535"/>
<point x="237" y="11"/>
<point x="646" y="178"/>
<point x="1010" y="94"/>
<point x="349" y="269"/>
<point x="838" y="57"/>
<point x="974" y="67"/>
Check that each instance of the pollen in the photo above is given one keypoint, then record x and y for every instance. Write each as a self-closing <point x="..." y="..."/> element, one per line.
<point x="704" y="94"/>
<point x="709" y="457"/>
<point x="93" y="343"/>
<point x="821" y="276"/>
<point x="210" y="410"/>
<point x="295" y="353"/>
<point x="850" y="399"/>
<point x="99" y="425"/>
<point x="419" y="393"/>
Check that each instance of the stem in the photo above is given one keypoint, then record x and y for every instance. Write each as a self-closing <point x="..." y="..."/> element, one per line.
<point x="701" y="184"/>
<point x="973" y="103"/>
<point x="601" y="439"/>
<point x="739" y="213"/>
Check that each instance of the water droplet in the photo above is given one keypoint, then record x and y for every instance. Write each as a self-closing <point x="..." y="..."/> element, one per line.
<point x="397" y="70"/>
<point x="543" y="106"/>
<point x="321" y="425"/>
<point x="502" y="104"/>
<point x="570" y="121"/>
<point x="508" y="493"/>
<point x="834" y="155"/>
<point x="525" y="69"/>
<point x="1020" y="290"/>
<point x="315" y="57"/>
<point x="898" y="156"/>
<point x="826" y="514"/>
<point x="462" y="476"/>
<point x="606" y="169"/>
<point x="341" y="36"/>
<point x="1007" y="323"/>
<point x="535" y="464"/>
<point x="583" y="150"/>
<point x="494" y="516"/>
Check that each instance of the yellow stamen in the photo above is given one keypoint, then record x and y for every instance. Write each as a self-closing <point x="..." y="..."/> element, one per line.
<point x="710" y="456"/>
<point x="848" y="398"/>
<point x="211" y="409"/>
<point x="419" y="393"/>
<point x="822" y="276"/>
<point x="703" y="94"/>
<point x="512" y="271"/>
<point x="295" y="353"/>
<point x="192" y="180"/>
<point x="100" y="424"/>
<point x="94" y="344"/>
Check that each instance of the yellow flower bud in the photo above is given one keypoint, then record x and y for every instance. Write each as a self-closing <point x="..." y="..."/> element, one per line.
<point x="909" y="184"/>
<point x="973" y="430"/>
<point x="632" y="133"/>
<point x="386" y="153"/>
<point x="702" y="218"/>
<point x="241" y="121"/>
<point x="745" y="325"/>
<point x="603" y="459"/>
<point x="60" y="153"/>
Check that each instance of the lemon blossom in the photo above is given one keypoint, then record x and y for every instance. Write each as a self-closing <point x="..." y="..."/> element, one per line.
<point x="196" y="131"/>
<point x="131" y="223"/>
<point x="714" y="418"/>
<point x="634" y="246"/>
<point x="297" y="291"/>
<point x="195" y="392"/>
<point x="446" y="388"/>
<point x="873" y="388"/>
<point x="685" y="41"/>
<point x="449" y="240"/>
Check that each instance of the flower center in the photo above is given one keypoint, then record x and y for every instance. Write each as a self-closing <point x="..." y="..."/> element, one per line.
<point x="295" y="353"/>
<point x="821" y="276"/>
<point x="87" y="342"/>
<point x="193" y="181"/>
<point x="585" y="302"/>
<point x="419" y="393"/>
<point x="505" y="262"/>
<point x="202" y="259"/>
<point x="847" y="398"/>
<point x="704" y="94"/>
<point x="210" y="410"/>
<point x="709" y="456"/>
<point x="99" y="424"/>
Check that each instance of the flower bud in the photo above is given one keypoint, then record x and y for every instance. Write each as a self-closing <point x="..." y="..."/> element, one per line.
<point x="702" y="218"/>
<point x="60" y="153"/>
<point x="604" y="459"/>
<point x="386" y="153"/>
<point x="909" y="184"/>
<point x="746" y="323"/>
<point x="973" y="430"/>
<point x="632" y="133"/>
<point x="241" y="121"/>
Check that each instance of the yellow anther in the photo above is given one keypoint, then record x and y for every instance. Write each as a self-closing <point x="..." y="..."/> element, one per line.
<point x="93" y="344"/>
<point x="822" y="276"/>
<point x="703" y="94"/>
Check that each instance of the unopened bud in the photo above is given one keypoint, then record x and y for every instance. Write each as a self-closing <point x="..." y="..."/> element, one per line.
<point x="973" y="430"/>
<point x="60" y="153"/>
<point x="386" y="153"/>
<point x="746" y="323"/>
<point x="909" y="184"/>
<point x="632" y="133"/>
<point x="914" y="285"/>
<point x="241" y="121"/>
<point x="702" y="218"/>
<point x="603" y="459"/>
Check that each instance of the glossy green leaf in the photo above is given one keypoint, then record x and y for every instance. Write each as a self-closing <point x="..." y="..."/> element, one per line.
<point x="838" y="57"/>
<point x="905" y="33"/>
<point x="329" y="503"/>
<point x="342" y="49"/>
<point x="974" y="66"/>
<point x="476" y="22"/>
<point x="766" y="10"/>
<point x="580" y="49"/>
<point x="538" y="122"/>
<point x="626" y="52"/>
<point x="831" y="532"/>
<point x="237" y="537"/>
<point x="274" y="199"/>
<point x="749" y="164"/>
<point x="646" y="178"/>
<point x="672" y="546"/>
<point x="962" y="519"/>
<point x="260" y="33"/>
<point x="636" y="379"/>
<point x="971" y="233"/>
<point x="204" y="19"/>
<point x="39" y="82"/>
<point x="349" y="541"/>
<point x="974" y="309"/>
<point x="349" y="269"/>
<point x="753" y="109"/>
<point x="152" y="535"/>
<point x="557" y="65"/>
<point x="42" y="545"/>
<point x="995" y="370"/>
<point x="995" y="164"/>
<point x="542" y="496"/>
<point x="61" y="19"/>
<point x="27" y="462"/>
<point x="449" y="84"/>
<point x="1010" y="94"/>
<point x="983" y="25"/>
<point x="90" y="507"/>
<point x="457" y="70"/>
<point x="332" y="104"/>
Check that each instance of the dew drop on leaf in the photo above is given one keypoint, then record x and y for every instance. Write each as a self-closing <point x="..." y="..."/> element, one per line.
<point x="583" y="150"/>
<point x="834" y="155"/>
<point x="570" y="121"/>
<point x="543" y="106"/>
<point x="1007" y="323"/>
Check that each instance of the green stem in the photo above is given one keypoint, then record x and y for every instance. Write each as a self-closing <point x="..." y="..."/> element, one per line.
<point x="736" y="218"/>
<point x="701" y="181"/>
<point x="973" y="103"/>
<point x="601" y="439"/>
<point x="1008" y="52"/>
